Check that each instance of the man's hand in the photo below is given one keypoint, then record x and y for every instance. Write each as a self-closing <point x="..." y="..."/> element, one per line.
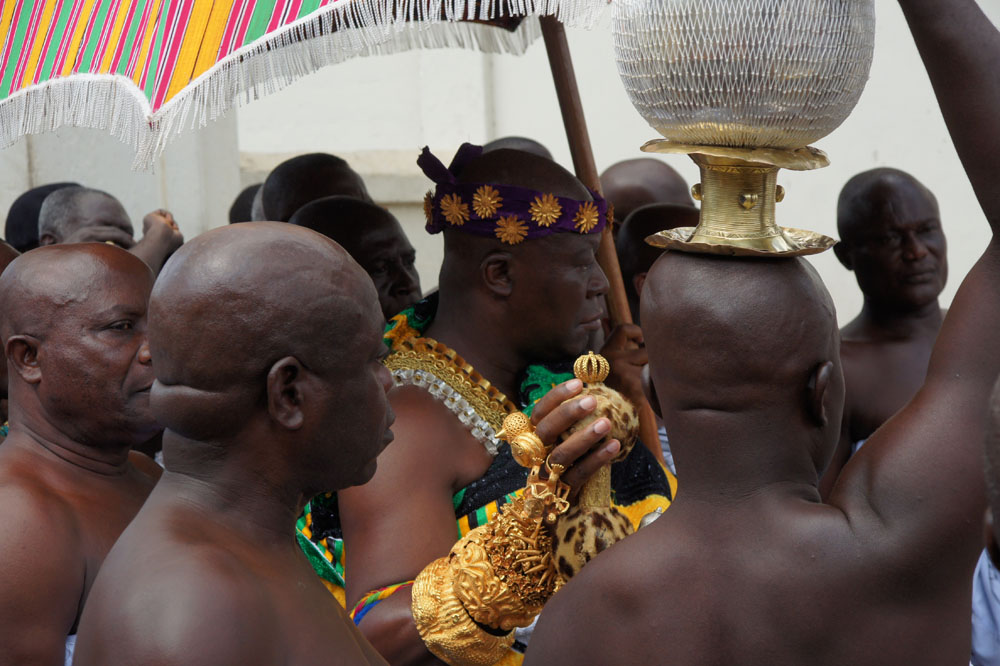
<point x="555" y="413"/>
<point x="161" y="225"/>
<point x="102" y="234"/>
<point x="160" y="238"/>
<point x="627" y="355"/>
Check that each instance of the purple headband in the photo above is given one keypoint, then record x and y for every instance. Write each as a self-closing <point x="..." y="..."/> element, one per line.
<point x="511" y="214"/>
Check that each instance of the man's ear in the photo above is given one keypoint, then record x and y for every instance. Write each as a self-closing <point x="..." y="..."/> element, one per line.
<point x="817" y="387"/>
<point x="22" y="357"/>
<point x="638" y="280"/>
<point x="496" y="273"/>
<point x="286" y="384"/>
<point x="843" y="252"/>
<point x="47" y="239"/>
<point x="649" y="390"/>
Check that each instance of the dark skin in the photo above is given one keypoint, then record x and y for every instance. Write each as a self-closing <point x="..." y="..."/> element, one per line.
<point x="501" y="308"/>
<point x="79" y="378"/>
<point x="768" y="573"/>
<point x="891" y="238"/>
<point x="280" y="394"/>
<point x="305" y="178"/>
<point x="635" y="255"/>
<point x="7" y="255"/>
<point x="374" y="239"/>
<point x="632" y="184"/>
<point x="102" y="219"/>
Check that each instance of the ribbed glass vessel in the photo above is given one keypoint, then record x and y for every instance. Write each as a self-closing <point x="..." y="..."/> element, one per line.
<point x="744" y="73"/>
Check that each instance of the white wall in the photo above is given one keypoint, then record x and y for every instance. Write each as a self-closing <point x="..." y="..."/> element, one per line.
<point x="196" y="178"/>
<point x="396" y="104"/>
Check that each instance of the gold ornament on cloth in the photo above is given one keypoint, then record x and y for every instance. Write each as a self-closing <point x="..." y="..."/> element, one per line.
<point x="486" y="201"/>
<point x="586" y="217"/>
<point x="511" y="230"/>
<point x="456" y="212"/>
<point x="593" y="525"/>
<point x="545" y="210"/>
<point x="684" y="66"/>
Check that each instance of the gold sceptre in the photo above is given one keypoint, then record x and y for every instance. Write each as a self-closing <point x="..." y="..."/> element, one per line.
<point x="593" y="524"/>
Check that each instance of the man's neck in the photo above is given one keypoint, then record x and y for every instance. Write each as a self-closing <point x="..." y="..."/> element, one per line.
<point x="42" y="436"/>
<point x="886" y="323"/>
<point x="484" y="346"/>
<point x="245" y="496"/>
<point x="729" y="458"/>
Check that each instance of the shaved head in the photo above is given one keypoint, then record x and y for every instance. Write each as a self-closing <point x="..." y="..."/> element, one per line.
<point x="74" y="328"/>
<point x="69" y="209"/>
<point x="635" y="255"/>
<point x="631" y="184"/>
<point x="521" y="143"/>
<point x="232" y="302"/>
<point x="305" y="178"/>
<point x="865" y="196"/>
<point x="735" y="333"/>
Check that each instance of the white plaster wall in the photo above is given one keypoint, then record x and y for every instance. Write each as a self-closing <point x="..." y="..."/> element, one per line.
<point x="196" y="178"/>
<point x="379" y="111"/>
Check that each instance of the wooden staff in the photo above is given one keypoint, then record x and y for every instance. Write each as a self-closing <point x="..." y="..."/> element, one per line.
<point x="568" y="93"/>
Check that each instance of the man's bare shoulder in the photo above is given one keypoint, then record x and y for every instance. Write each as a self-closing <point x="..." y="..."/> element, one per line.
<point x="176" y="603"/>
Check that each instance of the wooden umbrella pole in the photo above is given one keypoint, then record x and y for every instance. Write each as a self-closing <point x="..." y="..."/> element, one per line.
<point x="568" y="93"/>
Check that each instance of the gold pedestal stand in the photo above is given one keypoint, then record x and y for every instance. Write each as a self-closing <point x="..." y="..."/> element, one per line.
<point x="738" y="192"/>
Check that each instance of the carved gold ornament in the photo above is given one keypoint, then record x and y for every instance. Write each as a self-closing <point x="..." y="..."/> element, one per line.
<point x="545" y="210"/>
<point x="511" y="230"/>
<point x="456" y="212"/>
<point x="486" y="202"/>
<point x="586" y="217"/>
<point x="591" y="368"/>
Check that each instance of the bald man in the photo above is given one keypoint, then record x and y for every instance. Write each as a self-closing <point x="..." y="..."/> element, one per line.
<point x="749" y="566"/>
<point x="635" y="255"/>
<point x="85" y="215"/>
<point x="891" y="239"/>
<point x="7" y="255"/>
<point x="74" y="328"/>
<point x="374" y="239"/>
<point x="271" y="386"/>
<point x="304" y="178"/>
<point x="631" y="184"/>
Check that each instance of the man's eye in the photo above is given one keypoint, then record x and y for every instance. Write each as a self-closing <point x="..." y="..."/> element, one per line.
<point x="123" y="325"/>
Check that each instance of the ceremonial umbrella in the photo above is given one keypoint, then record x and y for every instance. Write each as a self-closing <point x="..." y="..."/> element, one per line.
<point x="146" y="69"/>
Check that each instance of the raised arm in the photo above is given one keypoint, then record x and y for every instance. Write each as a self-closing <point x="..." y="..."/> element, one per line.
<point x="921" y="474"/>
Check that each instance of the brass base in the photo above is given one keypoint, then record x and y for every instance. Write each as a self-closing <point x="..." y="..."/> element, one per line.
<point x="791" y="243"/>
<point x="738" y="192"/>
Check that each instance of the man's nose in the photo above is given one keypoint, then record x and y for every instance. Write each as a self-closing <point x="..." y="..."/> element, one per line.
<point x="406" y="280"/>
<point x="144" y="356"/>
<point x="913" y="247"/>
<point x="598" y="285"/>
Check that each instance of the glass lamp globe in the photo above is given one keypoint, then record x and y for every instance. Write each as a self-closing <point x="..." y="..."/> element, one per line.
<point x="744" y="73"/>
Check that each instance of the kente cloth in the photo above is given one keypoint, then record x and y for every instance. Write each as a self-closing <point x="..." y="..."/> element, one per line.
<point x="640" y="485"/>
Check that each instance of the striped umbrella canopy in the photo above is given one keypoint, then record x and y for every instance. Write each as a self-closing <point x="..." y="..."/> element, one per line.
<point x="145" y="69"/>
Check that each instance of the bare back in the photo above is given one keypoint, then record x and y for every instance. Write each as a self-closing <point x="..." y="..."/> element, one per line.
<point x="57" y="524"/>
<point x="234" y="600"/>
